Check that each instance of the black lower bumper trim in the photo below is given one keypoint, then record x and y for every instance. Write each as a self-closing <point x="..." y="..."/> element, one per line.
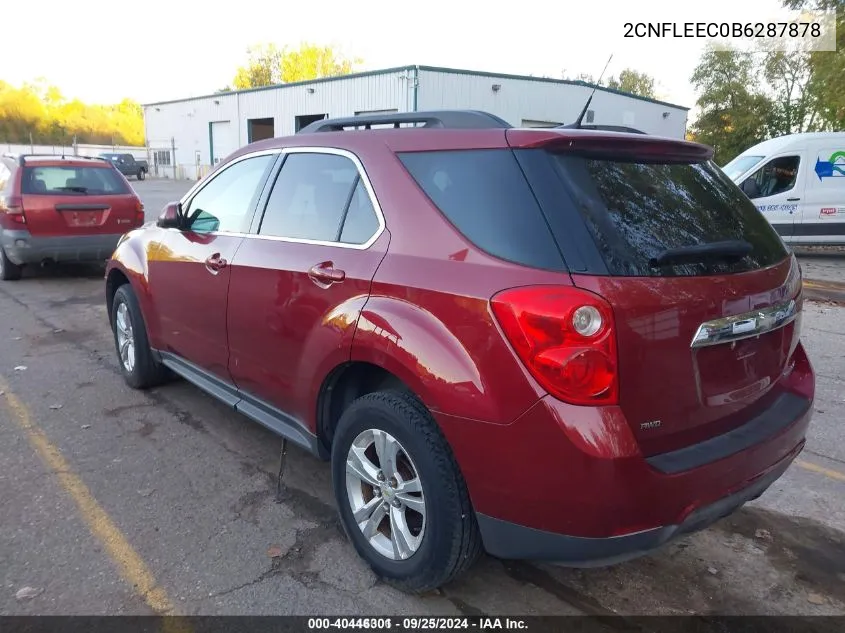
<point x="503" y="539"/>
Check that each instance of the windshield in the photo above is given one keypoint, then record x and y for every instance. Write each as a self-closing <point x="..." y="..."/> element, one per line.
<point x="59" y="180"/>
<point x="740" y="165"/>
<point x="637" y="211"/>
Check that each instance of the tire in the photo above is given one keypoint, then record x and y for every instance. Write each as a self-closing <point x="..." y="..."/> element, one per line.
<point x="142" y="174"/>
<point x="447" y="541"/>
<point x="9" y="271"/>
<point x="143" y="371"/>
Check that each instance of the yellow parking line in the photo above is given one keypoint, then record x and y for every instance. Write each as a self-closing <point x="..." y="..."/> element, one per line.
<point x="130" y="564"/>
<point x="827" y="472"/>
<point x="822" y="285"/>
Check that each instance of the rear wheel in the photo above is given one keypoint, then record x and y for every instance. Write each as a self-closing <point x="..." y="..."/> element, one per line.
<point x="139" y="368"/>
<point x="401" y="497"/>
<point x="141" y="174"/>
<point x="9" y="271"/>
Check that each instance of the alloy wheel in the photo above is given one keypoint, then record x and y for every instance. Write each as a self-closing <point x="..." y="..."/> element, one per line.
<point x="386" y="495"/>
<point x="125" y="337"/>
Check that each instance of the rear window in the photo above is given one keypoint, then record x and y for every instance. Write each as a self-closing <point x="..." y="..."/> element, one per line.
<point x="636" y="211"/>
<point x="484" y="194"/>
<point x="71" y="179"/>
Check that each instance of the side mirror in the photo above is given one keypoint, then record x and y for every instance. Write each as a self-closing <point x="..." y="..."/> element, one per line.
<point x="170" y="218"/>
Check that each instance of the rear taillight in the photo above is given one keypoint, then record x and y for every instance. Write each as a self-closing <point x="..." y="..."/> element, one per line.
<point x="565" y="337"/>
<point x="11" y="212"/>
<point x="139" y="212"/>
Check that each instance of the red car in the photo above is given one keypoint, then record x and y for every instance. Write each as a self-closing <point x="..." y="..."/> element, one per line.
<point x="62" y="209"/>
<point x="555" y="344"/>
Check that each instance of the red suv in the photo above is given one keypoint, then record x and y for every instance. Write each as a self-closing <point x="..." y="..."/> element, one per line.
<point x="62" y="209"/>
<point x="556" y="344"/>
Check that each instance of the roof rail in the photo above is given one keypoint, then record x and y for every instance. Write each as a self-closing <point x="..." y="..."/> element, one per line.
<point x="22" y="157"/>
<point x="453" y="119"/>
<point x="605" y="128"/>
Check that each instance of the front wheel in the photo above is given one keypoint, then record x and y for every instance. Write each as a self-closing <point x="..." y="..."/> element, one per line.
<point x="401" y="497"/>
<point x="139" y="368"/>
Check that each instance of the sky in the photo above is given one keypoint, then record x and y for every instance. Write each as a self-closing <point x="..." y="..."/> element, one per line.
<point x="170" y="49"/>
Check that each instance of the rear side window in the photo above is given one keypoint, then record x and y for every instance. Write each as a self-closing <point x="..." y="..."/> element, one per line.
<point x="64" y="180"/>
<point x="484" y="194"/>
<point x="636" y="211"/>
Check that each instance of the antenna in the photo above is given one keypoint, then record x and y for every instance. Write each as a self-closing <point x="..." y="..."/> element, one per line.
<point x="577" y="123"/>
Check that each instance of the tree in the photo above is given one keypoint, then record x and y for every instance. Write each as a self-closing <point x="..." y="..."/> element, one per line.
<point x="39" y="109"/>
<point x="735" y="112"/>
<point x="827" y="82"/>
<point x="629" y="80"/>
<point x="268" y="64"/>
<point x="635" y="82"/>
<point x="794" y="105"/>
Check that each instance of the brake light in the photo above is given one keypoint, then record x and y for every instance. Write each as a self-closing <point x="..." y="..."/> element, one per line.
<point x="565" y="337"/>
<point x="11" y="212"/>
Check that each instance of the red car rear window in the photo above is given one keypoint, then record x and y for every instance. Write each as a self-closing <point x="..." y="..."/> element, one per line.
<point x="72" y="179"/>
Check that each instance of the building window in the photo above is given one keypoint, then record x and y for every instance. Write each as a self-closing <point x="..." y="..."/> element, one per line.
<point x="161" y="157"/>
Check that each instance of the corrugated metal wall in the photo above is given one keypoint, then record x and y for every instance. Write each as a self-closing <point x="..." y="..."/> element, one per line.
<point x="189" y="123"/>
<point x="520" y="100"/>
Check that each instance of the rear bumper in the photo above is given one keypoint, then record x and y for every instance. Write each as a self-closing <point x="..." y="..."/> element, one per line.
<point x="569" y="484"/>
<point x="23" y="248"/>
<point x="509" y="540"/>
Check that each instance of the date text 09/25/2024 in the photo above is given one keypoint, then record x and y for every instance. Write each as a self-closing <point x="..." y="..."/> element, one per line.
<point x="418" y="624"/>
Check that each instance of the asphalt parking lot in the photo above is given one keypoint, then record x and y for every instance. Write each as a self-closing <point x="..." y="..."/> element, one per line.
<point x="119" y="502"/>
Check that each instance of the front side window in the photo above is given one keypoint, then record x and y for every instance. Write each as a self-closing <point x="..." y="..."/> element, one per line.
<point x="740" y="165"/>
<point x="776" y="176"/>
<point x="319" y="197"/>
<point x="226" y="202"/>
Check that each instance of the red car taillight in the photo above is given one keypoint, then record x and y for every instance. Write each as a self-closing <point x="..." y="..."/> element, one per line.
<point x="11" y="212"/>
<point x="565" y="336"/>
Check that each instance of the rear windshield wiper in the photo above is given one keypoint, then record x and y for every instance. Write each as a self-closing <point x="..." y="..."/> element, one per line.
<point x="74" y="189"/>
<point x="726" y="250"/>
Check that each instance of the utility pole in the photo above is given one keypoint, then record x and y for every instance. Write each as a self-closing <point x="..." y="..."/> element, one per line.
<point x="31" y="144"/>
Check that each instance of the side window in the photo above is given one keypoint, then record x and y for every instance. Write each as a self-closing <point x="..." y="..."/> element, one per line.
<point x="225" y="203"/>
<point x="361" y="222"/>
<point x="310" y="197"/>
<point x="776" y="176"/>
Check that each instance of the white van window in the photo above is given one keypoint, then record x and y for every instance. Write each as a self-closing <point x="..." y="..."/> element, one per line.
<point x="740" y="165"/>
<point x="775" y="177"/>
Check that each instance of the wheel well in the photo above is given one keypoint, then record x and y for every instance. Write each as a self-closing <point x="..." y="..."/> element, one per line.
<point x="343" y="386"/>
<point x="114" y="281"/>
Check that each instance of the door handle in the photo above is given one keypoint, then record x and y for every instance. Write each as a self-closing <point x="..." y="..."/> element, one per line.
<point x="793" y="199"/>
<point x="215" y="263"/>
<point x="326" y="274"/>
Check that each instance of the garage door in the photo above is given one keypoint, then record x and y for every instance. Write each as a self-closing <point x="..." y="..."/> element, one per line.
<point x="222" y="143"/>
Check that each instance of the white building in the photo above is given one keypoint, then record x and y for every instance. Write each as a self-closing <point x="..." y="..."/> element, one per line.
<point x="188" y="136"/>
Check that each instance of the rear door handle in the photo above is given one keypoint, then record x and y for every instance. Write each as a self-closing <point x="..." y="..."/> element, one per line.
<point x="326" y="273"/>
<point x="215" y="263"/>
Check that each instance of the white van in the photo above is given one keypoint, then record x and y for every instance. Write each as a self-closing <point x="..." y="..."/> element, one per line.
<point x="798" y="183"/>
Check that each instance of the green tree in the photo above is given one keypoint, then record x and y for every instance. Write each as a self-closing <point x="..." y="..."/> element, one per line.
<point x="629" y="80"/>
<point x="635" y="82"/>
<point x="268" y="64"/>
<point x="827" y="82"/>
<point x="734" y="113"/>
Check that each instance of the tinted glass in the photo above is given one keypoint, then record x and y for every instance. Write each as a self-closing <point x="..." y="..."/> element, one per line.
<point x="227" y="201"/>
<point x="775" y="177"/>
<point x="485" y="195"/>
<point x="740" y="165"/>
<point x="361" y="222"/>
<point x="70" y="180"/>
<point x="309" y="197"/>
<point x="637" y="211"/>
